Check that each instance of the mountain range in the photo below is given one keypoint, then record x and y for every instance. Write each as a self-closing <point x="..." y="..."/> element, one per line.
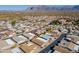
<point x="53" y="8"/>
<point x="47" y="8"/>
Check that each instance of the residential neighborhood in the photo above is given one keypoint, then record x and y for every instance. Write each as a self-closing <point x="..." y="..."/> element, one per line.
<point x="39" y="34"/>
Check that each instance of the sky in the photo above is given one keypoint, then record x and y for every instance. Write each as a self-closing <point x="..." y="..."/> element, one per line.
<point x="13" y="7"/>
<point x="19" y="7"/>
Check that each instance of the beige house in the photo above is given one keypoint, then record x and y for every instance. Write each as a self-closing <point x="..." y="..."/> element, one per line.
<point x="29" y="47"/>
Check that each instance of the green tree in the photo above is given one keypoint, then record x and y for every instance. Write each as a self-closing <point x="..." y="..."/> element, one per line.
<point x="48" y="29"/>
<point x="55" y="22"/>
<point x="13" y="22"/>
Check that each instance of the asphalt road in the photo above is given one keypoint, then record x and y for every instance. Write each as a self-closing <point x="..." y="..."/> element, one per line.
<point x="47" y="49"/>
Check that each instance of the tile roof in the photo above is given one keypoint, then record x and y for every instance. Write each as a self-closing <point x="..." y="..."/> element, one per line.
<point x="29" y="47"/>
<point x="39" y="41"/>
<point x="60" y="49"/>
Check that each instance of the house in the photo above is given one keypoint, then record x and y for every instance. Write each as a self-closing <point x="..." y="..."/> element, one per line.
<point x="61" y="49"/>
<point x="7" y="44"/>
<point x="42" y="41"/>
<point x="68" y="45"/>
<point x="13" y="50"/>
<point x="73" y="38"/>
<point x="56" y="34"/>
<point x="29" y="47"/>
<point x="64" y="43"/>
<point x="27" y="29"/>
<point x="76" y="47"/>
<point x="56" y="51"/>
<point x="38" y="31"/>
<point x="5" y="51"/>
<point x="7" y="32"/>
<point x="39" y="41"/>
<point x="71" y="46"/>
<point x="29" y="35"/>
<point x="46" y="37"/>
<point x="64" y="31"/>
<point x="16" y="50"/>
<point x="19" y="39"/>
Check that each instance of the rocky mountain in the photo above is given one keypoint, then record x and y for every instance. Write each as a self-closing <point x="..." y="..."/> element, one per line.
<point x="54" y="8"/>
<point x="34" y="8"/>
